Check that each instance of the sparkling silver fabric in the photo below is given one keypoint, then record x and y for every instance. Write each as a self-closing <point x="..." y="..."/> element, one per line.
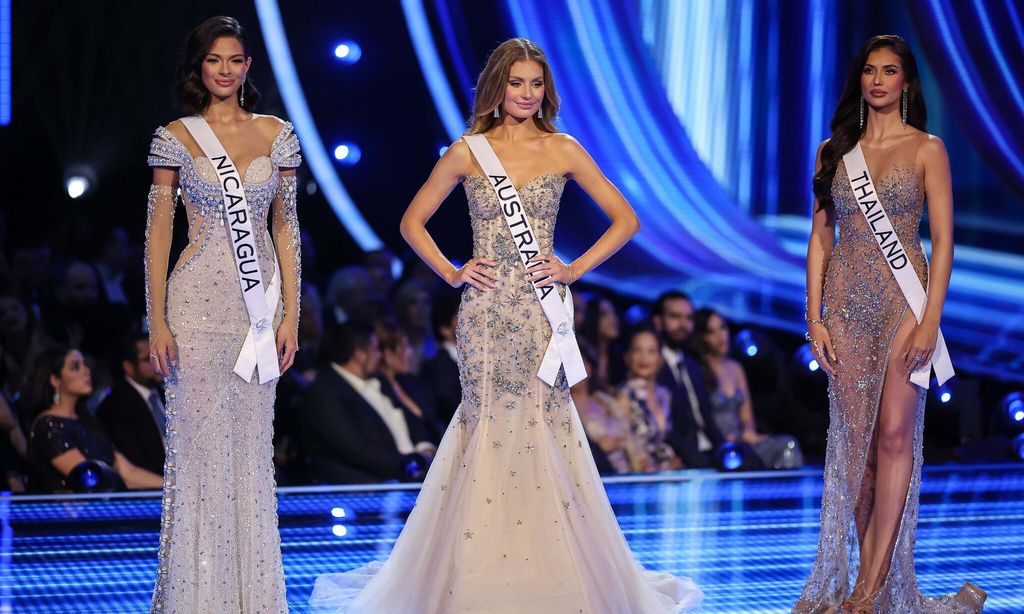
<point x="512" y="516"/>
<point x="863" y="306"/>
<point x="219" y="542"/>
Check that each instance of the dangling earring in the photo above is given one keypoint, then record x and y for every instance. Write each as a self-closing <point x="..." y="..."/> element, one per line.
<point x="903" y="101"/>
<point x="241" y="94"/>
<point x="540" y="112"/>
<point x="496" y="112"/>
<point x="56" y="397"/>
<point x="861" y="107"/>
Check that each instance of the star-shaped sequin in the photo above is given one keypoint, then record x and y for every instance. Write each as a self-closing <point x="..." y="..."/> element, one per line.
<point x="532" y="422"/>
<point x="468" y="535"/>
<point x="491" y="417"/>
<point x="529" y="448"/>
<point x="495" y="444"/>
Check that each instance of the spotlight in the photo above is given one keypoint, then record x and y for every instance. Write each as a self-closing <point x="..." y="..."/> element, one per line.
<point x="1013" y="408"/>
<point x="347" y="153"/>
<point x="747" y="342"/>
<point x="735" y="456"/>
<point x="77" y="186"/>
<point x="441" y="150"/>
<point x="338" y="512"/>
<point x="339" y="530"/>
<point x="1018" y="446"/>
<point x="348" y="52"/>
<point x="945" y="394"/>
<point x="79" y="180"/>
<point x="805" y="356"/>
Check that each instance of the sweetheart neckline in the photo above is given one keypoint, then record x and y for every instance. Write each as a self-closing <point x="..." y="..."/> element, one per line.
<point x="521" y="187"/>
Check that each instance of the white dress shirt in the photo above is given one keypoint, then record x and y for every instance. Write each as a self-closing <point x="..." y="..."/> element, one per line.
<point x="392" y="416"/>
<point x="674" y="359"/>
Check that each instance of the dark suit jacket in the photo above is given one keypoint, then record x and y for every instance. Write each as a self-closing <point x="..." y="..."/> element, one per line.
<point x="346" y="439"/>
<point x="430" y="426"/>
<point x="440" y="375"/>
<point x="683" y="437"/>
<point x="131" y="426"/>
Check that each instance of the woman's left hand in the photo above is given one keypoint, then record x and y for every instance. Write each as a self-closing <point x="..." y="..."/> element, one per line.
<point x="287" y="344"/>
<point x="920" y="345"/>
<point x="548" y="268"/>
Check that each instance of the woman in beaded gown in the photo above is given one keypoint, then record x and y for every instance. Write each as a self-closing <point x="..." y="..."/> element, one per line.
<point x="219" y="542"/>
<point x="512" y="516"/>
<point x="868" y="341"/>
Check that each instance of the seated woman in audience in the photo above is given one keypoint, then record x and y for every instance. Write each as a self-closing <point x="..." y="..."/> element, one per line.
<point x="398" y="381"/>
<point x="605" y="418"/>
<point x="730" y="395"/>
<point x="600" y="328"/>
<point x="67" y="448"/>
<point x="650" y="404"/>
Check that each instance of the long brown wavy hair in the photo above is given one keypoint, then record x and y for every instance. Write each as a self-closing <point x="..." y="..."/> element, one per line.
<point x="189" y="90"/>
<point x="490" y="86"/>
<point x="846" y="129"/>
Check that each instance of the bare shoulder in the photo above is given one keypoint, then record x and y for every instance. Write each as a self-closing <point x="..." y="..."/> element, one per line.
<point x="177" y="128"/>
<point x="566" y="143"/>
<point x="268" y="126"/>
<point x="458" y="160"/>
<point x="932" y="149"/>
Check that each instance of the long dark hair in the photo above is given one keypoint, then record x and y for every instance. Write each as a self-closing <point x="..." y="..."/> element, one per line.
<point x="191" y="94"/>
<point x="846" y="128"/>
<point x="699" y="347"/>
<point x="39" y="392"/>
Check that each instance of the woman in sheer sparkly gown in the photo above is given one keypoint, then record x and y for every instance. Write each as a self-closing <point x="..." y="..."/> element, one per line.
<point x="512" y="516"/>
<point x="219" y="542"/>
<point x="867" y="340"/>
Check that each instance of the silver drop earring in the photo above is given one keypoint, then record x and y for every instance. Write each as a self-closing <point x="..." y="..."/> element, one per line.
<point x="540" y="113"/>
<point x="241" y="94"/>
<point x="861" y="107"/>
<point x="496" y="112"/>
<point x="903" y="101"/>
<point x="56" y="397"/>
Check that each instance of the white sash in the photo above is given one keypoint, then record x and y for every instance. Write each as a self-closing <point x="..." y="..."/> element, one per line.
<point x="892" y="249"/>
<point x="259" y="348"/>
<point x="562" y="347"/>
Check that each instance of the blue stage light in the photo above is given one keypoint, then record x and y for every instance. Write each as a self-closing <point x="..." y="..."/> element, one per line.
<point x="441" y="150"/>
<point x="338" y="512"/>
<point x="1013" y="408"/>
<point x="945" y="394"/>
<point x="340" y="530"/>
<point x="1018" y="446"/>
<point x="747" y="342"/>
<point x="348" y="52"/>
<point x="347" y="153"/>
<point x="805" y="356"/>
<point x="730" y="456"/>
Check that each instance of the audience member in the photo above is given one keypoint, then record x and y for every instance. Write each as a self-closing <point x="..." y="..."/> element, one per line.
<point x="119" y="283"/>
<point x="440" y="374"/>
<point x="605" y="418"/>
<point x="353" y="431"/>
<point x="68" y="449"/>
<point x="412" y="311"/>
<point x="650" y="403"/>
<point x="349" y="298"/>
<point x="695" y="436"/>
<point x="133" y="413"/>
<point x="601" y="329"/>
<point x="729" y="394"/>
<point x="22" y="338"/>
<point x="379" y="264"/>
<point x="13" y="450"/>
<point x="398" y="382"/>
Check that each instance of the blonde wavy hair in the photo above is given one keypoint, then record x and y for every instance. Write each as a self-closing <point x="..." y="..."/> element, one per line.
<point x="490" y="85"/>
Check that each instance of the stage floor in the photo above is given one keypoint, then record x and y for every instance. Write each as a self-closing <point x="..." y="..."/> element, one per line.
<point x="748" y="540"/>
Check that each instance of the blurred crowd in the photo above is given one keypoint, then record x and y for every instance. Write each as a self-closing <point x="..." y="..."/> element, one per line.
<point x="375" y="382"/>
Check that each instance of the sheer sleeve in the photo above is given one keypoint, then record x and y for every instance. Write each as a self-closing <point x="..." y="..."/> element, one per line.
<point x="165" y="151"/>
<point x="285" y="154"/>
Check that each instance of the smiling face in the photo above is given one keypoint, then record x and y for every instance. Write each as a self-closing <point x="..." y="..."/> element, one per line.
<point x="643" y="359"/>
<point x="524" y="91"/>
<point x="224" y="67"/>
<point x="883" y="80"/>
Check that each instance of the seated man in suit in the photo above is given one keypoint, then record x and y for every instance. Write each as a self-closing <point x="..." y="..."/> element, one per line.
<point x="133" y="413"/>
<point x="440" y="373"/>
<point x="695" y="437"/>
<point x="354" y="432"/>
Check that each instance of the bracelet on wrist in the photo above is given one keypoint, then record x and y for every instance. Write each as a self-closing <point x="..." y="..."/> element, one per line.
<point x="814" y="321"/>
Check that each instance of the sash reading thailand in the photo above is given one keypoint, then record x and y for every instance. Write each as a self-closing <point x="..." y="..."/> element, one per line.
<point x="562" y="348"/>
<point x="259" y="348"/>
<point x="892" y="250"/>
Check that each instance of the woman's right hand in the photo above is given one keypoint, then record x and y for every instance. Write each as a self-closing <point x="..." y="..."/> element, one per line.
<point x="821" y="345"/>
<point x="477" y="273"/>
<point x="163" y="351"/>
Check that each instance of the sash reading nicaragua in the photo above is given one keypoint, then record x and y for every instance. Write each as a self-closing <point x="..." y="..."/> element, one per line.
<point x="259" y="348"/>
<point x="562" y="348"/>
<point x="892" y="249"/>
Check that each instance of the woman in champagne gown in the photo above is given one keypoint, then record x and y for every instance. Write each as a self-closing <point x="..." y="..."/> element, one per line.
<point x="219" y="543"/>
<point x="868" y="341"/>
<point x="512" y="516"/>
